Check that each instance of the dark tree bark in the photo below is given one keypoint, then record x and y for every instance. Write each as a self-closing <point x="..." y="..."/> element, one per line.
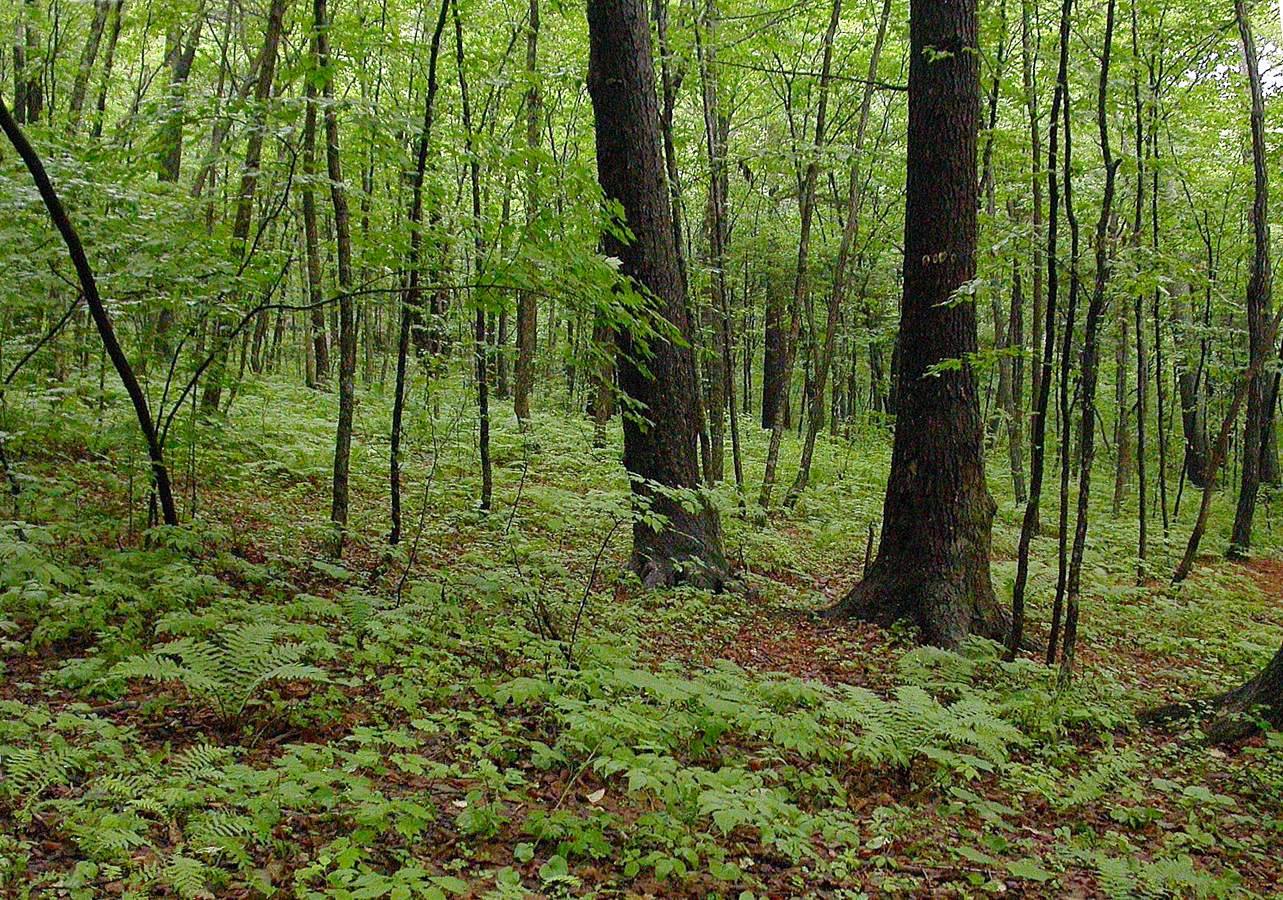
<point x="1259" y="416"/>
<point x="30" y="97"/>
<point x="412" y="302"/>
<point x="480" y="337"/>
<point x="1028" y="74"/>
<point x="670" y="82"/>
<point x="1192" y="398"/>
<point x="1090" y="365"/>
<point x="932" y="566"/>
<point x="320" y="372"/>
<point x="1237" y="714"/>
<point x="659" y="441"/>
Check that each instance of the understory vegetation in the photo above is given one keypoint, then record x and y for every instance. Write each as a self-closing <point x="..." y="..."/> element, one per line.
<point x="496" y="708"/>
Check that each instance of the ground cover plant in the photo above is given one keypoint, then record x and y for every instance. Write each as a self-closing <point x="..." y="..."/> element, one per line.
<point x="685" y="448"/>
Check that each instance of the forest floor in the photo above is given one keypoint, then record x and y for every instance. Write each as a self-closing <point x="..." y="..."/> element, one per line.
<point x="497" y="709"/>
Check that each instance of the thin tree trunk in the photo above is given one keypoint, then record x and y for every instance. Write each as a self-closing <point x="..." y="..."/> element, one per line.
<point x="1042" y="381"/>
<point x="1090" y="365"/>
<point x="527" y="303"/>
<point x="479" y="336"/>
<point x="801" y="277"/>
<point x="413" y="295"/>
<point x="347" y="315"/>
<point x="854" y="201"/>
<point x="1066" y="365"/>
<point x="89" y="286"/>
<point x="312" y="243"/>
<point x="249" y="184"/>
<point x="1258" y="417"/>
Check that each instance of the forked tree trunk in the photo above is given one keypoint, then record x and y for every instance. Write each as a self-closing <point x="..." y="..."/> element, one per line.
<point x="659" y="441"/>
<point x="932" y="566"/>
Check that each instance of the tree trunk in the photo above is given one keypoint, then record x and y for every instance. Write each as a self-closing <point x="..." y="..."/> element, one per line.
<point x="412" y="301"/>
<point x="89" y="286"/>
<point x="249" y="184"/>
<point x="80" y="86"/>
<point x="1046" y="330"/>
<point x="347" y="315"/>
<point x="480" y="338"/>
<point x="802" y="275"/>
<point x="932" y="566"/>
<point x="312" y="243"/>
<point x="527" y="305"/>
<point x="1090" y="365"/>
<point x="774" y="399"/>
<point x="659" y="449"/>
<point x="1259" y="416"/>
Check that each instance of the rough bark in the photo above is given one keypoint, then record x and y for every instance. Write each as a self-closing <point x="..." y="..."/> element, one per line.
<point x="659" y="442"/>
<point x="932" y="566"/>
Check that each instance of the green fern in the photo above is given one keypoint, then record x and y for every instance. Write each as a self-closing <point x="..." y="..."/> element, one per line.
<point x="230" y="668"/>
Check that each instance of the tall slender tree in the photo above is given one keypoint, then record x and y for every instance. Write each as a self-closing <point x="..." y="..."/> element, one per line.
<point x="1259" y="415"/>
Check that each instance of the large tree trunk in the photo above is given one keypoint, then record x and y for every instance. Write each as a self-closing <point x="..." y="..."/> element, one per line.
<point x="659" y="442"/>
<point x="1259" y="415"/>
<point x="1237" y="714"/>
<point x="932" y="566"/>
